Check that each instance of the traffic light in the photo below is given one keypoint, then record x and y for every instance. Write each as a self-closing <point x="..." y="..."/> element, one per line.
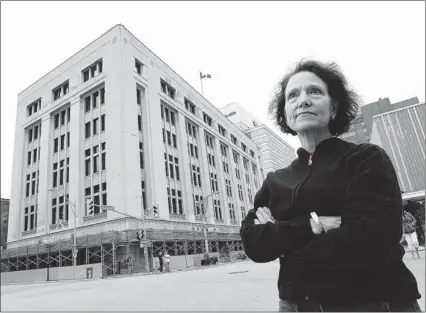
<point x="155" y="211"/>
<point x="140" y="234"/>
<point x="90" y="207"/>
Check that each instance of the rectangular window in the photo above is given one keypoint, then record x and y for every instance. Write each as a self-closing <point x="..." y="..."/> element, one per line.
<point x="95" y="99"/>
<point x="172" y="118"/>
<point x="63" y="115"/>
<point x="139" y="67"/>
<point x="189" y="106"/>
<point x="138" y="96"/>
<point x="222" y="130"/>
<point x="102" y="96"/>
<point x="92" y="70"/>
<point x="140" y="123"/>
<point x="87" y="167"/>
<point x="60" y="91"/>
<point x="55" y="145"/>
<point x="87" y="130"/>
<point x="169" y="141"/>
<point x="174" y="141"/>
<point x="29" y="158"/>
<point x="95" y="126"/>
<point x="234" y="139"/>
<point x="102" y="122"/>
<point x="207" y="119"/>
<point x="167" y="89"/>
<point x="87" y="104"/>
<point x="62" y="142"/>
<point x="35" y="132"/>
<point x="103" y="160"/>
<point x="95" y="164"/>
<point x="56" y="120"/>
<point x="35" y="155"/>
<point x="30" y="135"/>
<point x="68" y="139"/>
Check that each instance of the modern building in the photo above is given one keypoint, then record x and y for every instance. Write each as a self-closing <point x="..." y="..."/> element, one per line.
<point x="115" y="126"/>
<point x="4" y="222"/>
<point x="361" y="127"/>
<point x="276" y="153"/>
<point x="401" y="133"/>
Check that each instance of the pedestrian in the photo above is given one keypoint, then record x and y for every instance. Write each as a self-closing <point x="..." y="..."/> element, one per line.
<point x="167" y="261"/>
<point x="160" y="260"/>
<point x="410" y="234"/>
<point x="333" y="216"/>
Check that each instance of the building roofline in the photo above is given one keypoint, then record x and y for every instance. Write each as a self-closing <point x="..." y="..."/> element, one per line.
<point x="397" y="110"/>
<point x="217" y="109"/>
<point x="70" y="57"/>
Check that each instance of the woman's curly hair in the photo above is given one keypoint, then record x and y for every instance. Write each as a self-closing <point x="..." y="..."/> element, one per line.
<point x="338" y="89"/>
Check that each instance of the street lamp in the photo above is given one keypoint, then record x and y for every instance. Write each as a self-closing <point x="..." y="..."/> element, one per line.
<point x="202" y="76"/>
<point x="204" y="219"/>
<point x="74" y="247"/>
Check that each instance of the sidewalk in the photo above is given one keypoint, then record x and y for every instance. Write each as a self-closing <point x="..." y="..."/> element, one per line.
<point x="126" y="275"/>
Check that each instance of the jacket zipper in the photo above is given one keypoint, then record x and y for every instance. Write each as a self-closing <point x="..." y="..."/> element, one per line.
<point x="296" y="189"/>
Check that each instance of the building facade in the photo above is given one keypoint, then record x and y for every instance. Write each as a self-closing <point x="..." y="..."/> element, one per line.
<point x="362" y="125"/>
<point x="401" y="133"/>
<point x="275" y="152"/>
<point x="4" y="221"/>
<point x="115" y="126"/>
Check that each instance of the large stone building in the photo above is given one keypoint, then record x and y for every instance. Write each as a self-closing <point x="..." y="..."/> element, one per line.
<point x="401" y="133"/>
<point x="362" y="125"/>
<point x="276" y="153"/>
<point x="115" y="125"/>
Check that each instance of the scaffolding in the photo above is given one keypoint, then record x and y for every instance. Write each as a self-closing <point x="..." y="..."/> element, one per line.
<point x="103" y="247"/>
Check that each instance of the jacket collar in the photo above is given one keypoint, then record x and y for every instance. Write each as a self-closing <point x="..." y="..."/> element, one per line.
<point x="328" y="144"/>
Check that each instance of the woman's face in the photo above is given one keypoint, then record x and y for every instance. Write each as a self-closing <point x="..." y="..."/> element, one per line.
<point x="308" y="104"/>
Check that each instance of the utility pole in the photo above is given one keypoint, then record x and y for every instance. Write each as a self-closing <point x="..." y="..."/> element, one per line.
<point x="204" y="219"/>
<point x="74" y="246"/>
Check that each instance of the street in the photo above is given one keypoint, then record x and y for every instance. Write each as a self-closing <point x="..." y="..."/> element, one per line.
<point x="242" y="286"/>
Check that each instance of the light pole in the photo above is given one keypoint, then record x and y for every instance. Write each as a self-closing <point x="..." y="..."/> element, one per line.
<point x="204" y="218"/>
<point x="74" y="246"/>
<point x="145" y="250"/>
<point x="202" y="76"/>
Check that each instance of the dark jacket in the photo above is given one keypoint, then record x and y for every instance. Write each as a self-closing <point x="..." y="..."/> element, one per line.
<point x="361" y="260"/>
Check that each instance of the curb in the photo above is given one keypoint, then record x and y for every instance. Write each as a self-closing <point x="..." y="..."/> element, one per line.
<point x="174" y="271"/>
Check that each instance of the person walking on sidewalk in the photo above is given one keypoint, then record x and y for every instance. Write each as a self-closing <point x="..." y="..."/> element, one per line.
<point x="410" y="235"/>
<point x="161" y="260"/>
<point x="167" y="261"/>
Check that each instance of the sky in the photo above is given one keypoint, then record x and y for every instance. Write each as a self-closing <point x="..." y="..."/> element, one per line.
<point x="245" y="46"/>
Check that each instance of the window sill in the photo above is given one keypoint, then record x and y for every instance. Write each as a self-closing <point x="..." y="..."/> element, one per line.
<point x="55" y="227"/>
<point x="177" y="216"/>
<point x="29" y="232"/>
<point x="95" y="218"/>
<point x="219" y="221"/>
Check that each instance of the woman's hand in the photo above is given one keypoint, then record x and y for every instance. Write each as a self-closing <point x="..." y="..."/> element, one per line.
<point x="263" y="216"/>
<point x="327" y="222"/>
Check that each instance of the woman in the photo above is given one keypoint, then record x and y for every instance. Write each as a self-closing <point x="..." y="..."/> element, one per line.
<point x="410" y="234"/>
<point x="333" y="216"/>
